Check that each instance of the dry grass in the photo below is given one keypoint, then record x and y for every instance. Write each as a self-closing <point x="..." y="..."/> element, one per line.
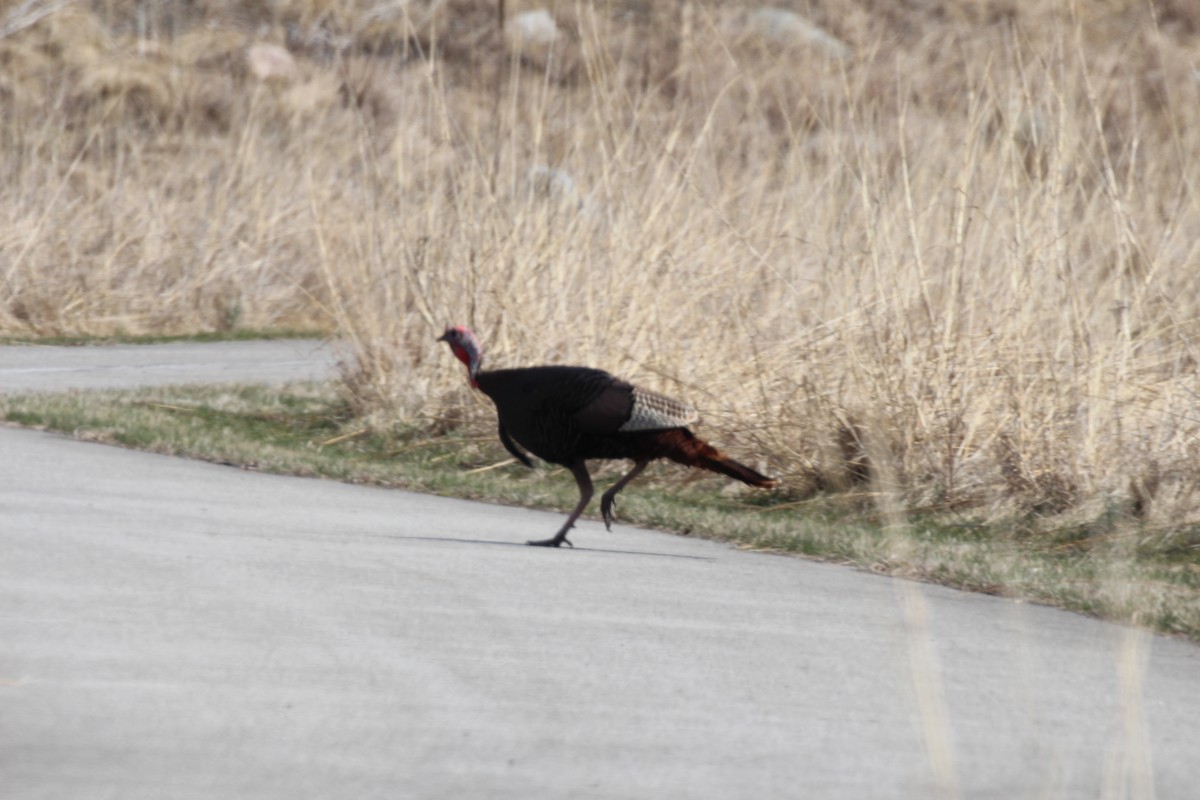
<point x="952" y="270"/>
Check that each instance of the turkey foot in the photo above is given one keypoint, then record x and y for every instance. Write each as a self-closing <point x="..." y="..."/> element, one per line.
<point x="559" y="539"/>
<point x="608" y="508"/>
<point x="585" y="495"/>
<point x="608" y="500"/>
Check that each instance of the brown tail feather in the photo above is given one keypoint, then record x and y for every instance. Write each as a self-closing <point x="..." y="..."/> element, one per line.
<point x="683" y="447"/>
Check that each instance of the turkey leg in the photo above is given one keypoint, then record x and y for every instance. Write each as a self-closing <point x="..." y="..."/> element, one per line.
<point x="608" y="500"/>
<point x="579" y="470"/>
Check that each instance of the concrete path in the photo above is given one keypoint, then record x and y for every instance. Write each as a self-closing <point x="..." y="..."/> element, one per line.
<point x="177" y="629"/>
<point x="38" y="368"/>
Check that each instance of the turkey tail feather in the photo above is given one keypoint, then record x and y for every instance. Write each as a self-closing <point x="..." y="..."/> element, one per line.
<point x="727" y="466"/>
<point x="683" y="447"/>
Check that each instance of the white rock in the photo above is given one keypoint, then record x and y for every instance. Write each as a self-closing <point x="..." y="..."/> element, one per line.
<point x="787" y="28"/>
<point x="270" y="62"/>
<point x="533" y="27"/>
<point x="556" y="185"/>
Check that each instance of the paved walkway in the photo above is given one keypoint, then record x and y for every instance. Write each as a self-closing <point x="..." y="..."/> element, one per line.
<point x="36" y="368"/>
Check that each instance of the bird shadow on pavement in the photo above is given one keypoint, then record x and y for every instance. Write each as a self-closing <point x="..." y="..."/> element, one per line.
<point x="459" y="540"/>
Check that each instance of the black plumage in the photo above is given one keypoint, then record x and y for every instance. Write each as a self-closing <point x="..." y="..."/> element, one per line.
<point x="566" y="415"/>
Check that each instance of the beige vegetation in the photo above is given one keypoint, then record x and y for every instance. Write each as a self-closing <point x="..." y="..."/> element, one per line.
<point x="943" y="259"/>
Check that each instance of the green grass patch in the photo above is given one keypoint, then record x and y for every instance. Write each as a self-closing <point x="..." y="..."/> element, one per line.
<point x="1110" y="567"/>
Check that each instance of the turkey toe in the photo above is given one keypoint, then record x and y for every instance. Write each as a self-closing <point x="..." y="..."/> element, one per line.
<point x="554" y="542"/>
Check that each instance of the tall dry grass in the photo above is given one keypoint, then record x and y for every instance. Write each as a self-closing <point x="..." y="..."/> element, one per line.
<point x="954" y="269"/>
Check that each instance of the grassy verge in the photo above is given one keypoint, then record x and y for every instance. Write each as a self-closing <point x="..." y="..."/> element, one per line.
<point x="1110" y="566"/>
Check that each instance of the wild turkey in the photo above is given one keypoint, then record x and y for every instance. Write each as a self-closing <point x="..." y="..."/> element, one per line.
<point x="565" y="415"/>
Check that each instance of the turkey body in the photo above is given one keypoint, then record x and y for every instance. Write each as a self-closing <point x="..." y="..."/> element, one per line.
<point x="564" y="414"/>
